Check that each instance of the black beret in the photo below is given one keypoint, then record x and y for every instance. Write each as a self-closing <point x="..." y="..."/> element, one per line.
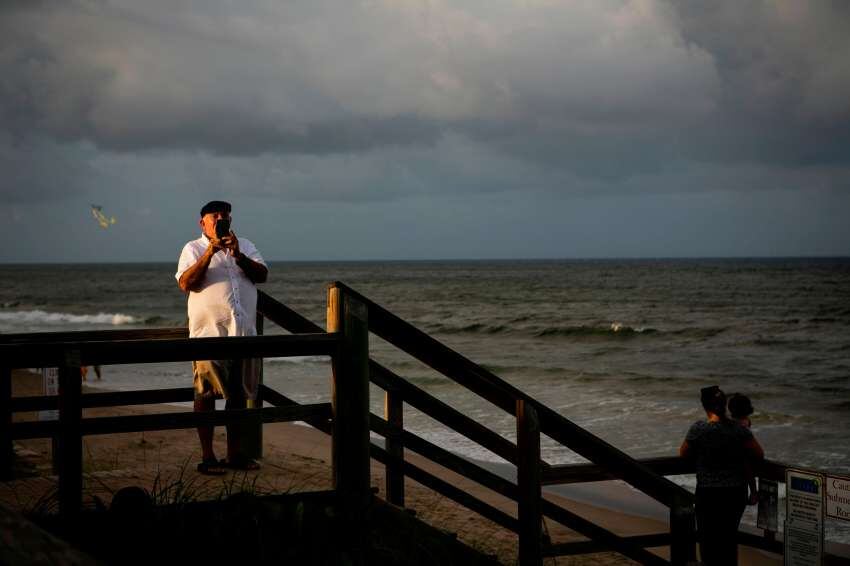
<point x="215" y="206"/>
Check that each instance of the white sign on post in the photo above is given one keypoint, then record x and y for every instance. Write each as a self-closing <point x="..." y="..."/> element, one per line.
<point x="838" y="497"/>
<point x="802" y="547"/>
<point x="768" y="510"/>
<point x="50" y="386"/>
<point x="803" y="518"/>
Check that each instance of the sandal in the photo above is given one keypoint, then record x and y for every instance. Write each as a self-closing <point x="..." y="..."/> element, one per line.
<point x="211" y="467"/>
<point x="243" y="464"/>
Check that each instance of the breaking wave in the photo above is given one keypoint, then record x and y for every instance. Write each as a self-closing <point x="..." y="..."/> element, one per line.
<point x="60" y="318"/>
<point x="616" y="329"/>
<point x="299" y="360"/>
<point x="474" y="328"/>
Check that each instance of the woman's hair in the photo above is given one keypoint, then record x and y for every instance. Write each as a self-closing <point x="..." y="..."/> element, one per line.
<point x="713" y="400"/>
<point x="740" y="406"/>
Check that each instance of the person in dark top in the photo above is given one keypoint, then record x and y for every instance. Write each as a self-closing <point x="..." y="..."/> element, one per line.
<point x="740" y="408"/>
<point x="721" y="448"/>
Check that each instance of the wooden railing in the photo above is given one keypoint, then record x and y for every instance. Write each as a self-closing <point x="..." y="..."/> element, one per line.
<point x="351" y="317"/>
<point x="70" y="351"/>
<point x="533" y="418"/>
<point x="608" y="463"/>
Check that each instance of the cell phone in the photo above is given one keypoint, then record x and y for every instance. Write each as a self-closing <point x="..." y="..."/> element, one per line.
<point x="222" y="228"/>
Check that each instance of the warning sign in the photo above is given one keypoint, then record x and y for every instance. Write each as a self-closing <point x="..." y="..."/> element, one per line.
<point x="804" y="499"/>
<point x="802" y="547"/>
<point x="838" y="497"/>
<point x="804" y="518"/>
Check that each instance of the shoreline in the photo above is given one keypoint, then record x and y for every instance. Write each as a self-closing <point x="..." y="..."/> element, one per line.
<point x="297" y="458"/>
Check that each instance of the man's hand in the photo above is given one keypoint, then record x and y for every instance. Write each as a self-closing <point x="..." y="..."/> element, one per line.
<point x="215" y="246"/>
<point x="231" y="243"/>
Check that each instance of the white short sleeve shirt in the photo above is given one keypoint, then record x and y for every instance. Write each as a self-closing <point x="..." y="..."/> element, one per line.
<point x="226" y="304"/>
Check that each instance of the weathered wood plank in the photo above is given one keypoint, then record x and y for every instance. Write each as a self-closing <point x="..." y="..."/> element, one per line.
<point x="152" y="351"/>
<point x="452" y="492"/>
<point x="683" y="533"/>
<point x="70" y="439"/>
<point x="528" y="484"/>
<point x="192" y="419"/>
<point x="450" y="461"/>
<point x="107" y="399"/>
<point x="348" y="318"/>
<point x="394" y="475"/>
<point x="443" y="413"/>
<point x="579" y="473"/>
<point x="318" y="413"/>
<point x="284" y="316"/>
<point x="96" y="335"/>
<point x="6" y="447"/>
<point x="251" y="434"/>
<point x="35" y="429"/>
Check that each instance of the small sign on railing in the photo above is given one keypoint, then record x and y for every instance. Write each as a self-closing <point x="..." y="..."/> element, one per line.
<point x="768" y="511"/>
<point x="838" y="497"/>
<point x="804" y="518"/>
<point x="50" y="386"/>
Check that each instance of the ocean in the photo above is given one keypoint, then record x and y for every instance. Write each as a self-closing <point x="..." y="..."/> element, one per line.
<point x="620" y="347"/>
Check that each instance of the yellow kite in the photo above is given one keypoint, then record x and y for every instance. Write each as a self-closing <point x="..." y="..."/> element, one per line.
<point x="97" y="212"/>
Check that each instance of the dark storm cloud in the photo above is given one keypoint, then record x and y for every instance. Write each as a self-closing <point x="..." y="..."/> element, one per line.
<point x="126" y="97"/>
<point x="785" y="73"/>
<point x="373" y="100"/>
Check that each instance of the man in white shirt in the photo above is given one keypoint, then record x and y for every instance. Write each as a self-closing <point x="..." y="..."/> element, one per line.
<point x="219" y="274"/>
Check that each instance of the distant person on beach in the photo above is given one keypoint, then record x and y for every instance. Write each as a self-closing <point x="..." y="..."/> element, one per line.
<point x="740" y="408"/>
<point x="84" y="372"/>
<point x="721" y="447"/>
<point x="219" y="272"/>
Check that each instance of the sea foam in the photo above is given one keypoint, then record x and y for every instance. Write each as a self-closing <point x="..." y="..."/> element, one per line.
<point x="59" y="318"/>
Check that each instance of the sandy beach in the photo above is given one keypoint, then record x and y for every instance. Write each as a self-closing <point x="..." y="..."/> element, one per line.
<point x="296" y="458"/>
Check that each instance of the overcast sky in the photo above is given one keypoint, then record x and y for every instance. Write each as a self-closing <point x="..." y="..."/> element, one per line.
<point x="401" y="129"/>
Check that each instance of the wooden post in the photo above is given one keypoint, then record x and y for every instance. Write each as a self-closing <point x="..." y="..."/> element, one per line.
<point x="251" y="432"/>
<point x="350" y="396"/>
<point x="528" y="484"/>
<point x="394" y="415"/>
<point x="7" y="448"/>
<point x="70" y="437"/>
<point x="682" y="533"/>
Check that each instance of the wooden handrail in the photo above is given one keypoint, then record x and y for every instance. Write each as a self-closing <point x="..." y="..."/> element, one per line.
<point x="644" y="474"/>
<point x="95" y="335"/>
<point x="665" y="466"/>
<point x="385" y="378"/>
<point x="502" y="394"/>
<point x="284" y="316"/>
<point x="443" y="413"/>
<point x="175" y="420"/>
<point x="107" y="399"/>
<point x="447" y="489"/>
<point x="52" y="354"/>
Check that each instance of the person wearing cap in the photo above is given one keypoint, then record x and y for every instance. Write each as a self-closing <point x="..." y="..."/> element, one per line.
<point x="721" y="449"/>
<point x="740" y="408"/>
<point x="220" y="274"/>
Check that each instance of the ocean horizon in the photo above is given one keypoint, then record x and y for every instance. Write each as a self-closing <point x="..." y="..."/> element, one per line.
<point x="766" y="258"/>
